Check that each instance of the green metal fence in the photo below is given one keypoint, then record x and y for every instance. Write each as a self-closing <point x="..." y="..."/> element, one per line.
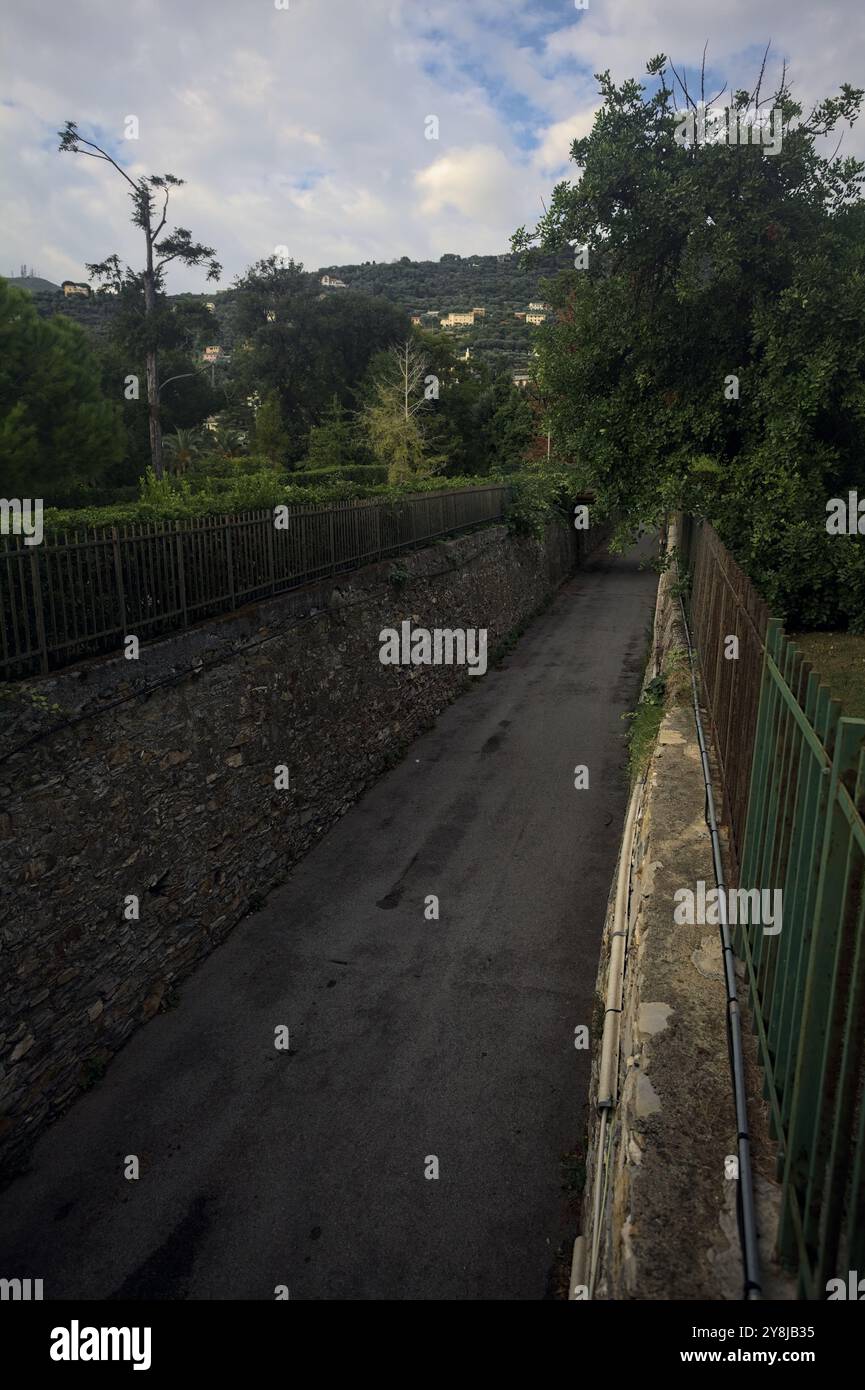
<point x="804" y="834"/>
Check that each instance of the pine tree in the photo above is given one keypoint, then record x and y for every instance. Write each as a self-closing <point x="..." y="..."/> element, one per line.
<point x="334" y="443"/>
<point x="269" y="438"/>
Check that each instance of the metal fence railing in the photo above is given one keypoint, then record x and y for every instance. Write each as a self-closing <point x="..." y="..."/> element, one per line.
<point x="805" y="835"/>
<point x="803" y="832"/>
<point x="80" y="593"/>
<point x="724" y="604"/>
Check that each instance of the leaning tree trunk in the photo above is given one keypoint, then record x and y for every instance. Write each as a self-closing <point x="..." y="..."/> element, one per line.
<point x="152" y="370"/>
<point x="153" y="413"/>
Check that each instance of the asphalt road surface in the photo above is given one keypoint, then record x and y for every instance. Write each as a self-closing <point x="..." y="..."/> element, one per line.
<point x="411" y="1039"/>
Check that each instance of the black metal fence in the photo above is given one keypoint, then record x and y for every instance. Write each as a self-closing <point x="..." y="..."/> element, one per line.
<point x="79" y="593"/>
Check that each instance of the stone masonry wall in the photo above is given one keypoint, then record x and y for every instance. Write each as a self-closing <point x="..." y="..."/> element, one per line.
<point x="156" y="778"/>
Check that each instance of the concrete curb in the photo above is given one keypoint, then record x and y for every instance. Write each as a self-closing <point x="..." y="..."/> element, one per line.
<point x="664" y="1230"/>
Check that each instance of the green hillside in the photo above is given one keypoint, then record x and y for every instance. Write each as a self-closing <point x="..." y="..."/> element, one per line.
<point x="457" y="284"/>
<point x="34" y="284"/>
<point x="499" y="285"/>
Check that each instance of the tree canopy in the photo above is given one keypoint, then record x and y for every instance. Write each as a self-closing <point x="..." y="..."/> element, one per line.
<point x="707" y="351"/>
<point x="306" y="345"/>
<point x="55" y="425"/>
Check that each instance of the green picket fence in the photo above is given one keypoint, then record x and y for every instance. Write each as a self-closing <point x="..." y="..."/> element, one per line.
<point x="805" y="835"/>
<point x="793" y="772"/>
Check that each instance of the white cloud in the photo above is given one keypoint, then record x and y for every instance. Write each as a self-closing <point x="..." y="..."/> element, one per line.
<point x="305" y="127"/>
<point x="553" y="153"/>
<point x="476" y="183"/>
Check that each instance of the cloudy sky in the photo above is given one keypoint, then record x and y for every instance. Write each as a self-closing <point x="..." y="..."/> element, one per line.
<point x="306" y="126"/>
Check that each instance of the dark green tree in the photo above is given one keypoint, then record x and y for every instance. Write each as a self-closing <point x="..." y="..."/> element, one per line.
<point x="506" y="425"/>
<point x="710" y="355"/>
<point x="451" y="424"/>
<point x="189" y="391"/>
<point x="305" y="343"/>
<point x="269" y="437"/>
<point x="336" y="441"/>
<point x="57" y="430"/>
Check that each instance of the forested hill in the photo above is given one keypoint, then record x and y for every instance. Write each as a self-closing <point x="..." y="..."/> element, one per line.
<point x="502" y="286"/>
<point x="453" y="283"/>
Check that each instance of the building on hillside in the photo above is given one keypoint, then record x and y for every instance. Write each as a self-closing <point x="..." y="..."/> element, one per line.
<point x="536" y="318"/>
<point x="519" y="313"/>
<point x="456" y="319"/>
<point x="521" y="380"/>
<point x="75" y="287"/>
<point x="212" y="353"/>
<point x="416" y="318"/>
<point x="540" y="308"/>
<point x="331" y="282"/>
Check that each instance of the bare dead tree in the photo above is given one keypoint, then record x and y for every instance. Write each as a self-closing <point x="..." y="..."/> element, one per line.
<point x="176" y="245"/>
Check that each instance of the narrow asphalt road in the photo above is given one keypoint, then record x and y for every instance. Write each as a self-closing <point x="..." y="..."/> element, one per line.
<point x="410" y="1038"/>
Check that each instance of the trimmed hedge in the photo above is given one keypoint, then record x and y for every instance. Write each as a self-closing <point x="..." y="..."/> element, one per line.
<point x="170" y="500"/>
<point x="351" y="472"/>
<point x="88" y="497"/>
